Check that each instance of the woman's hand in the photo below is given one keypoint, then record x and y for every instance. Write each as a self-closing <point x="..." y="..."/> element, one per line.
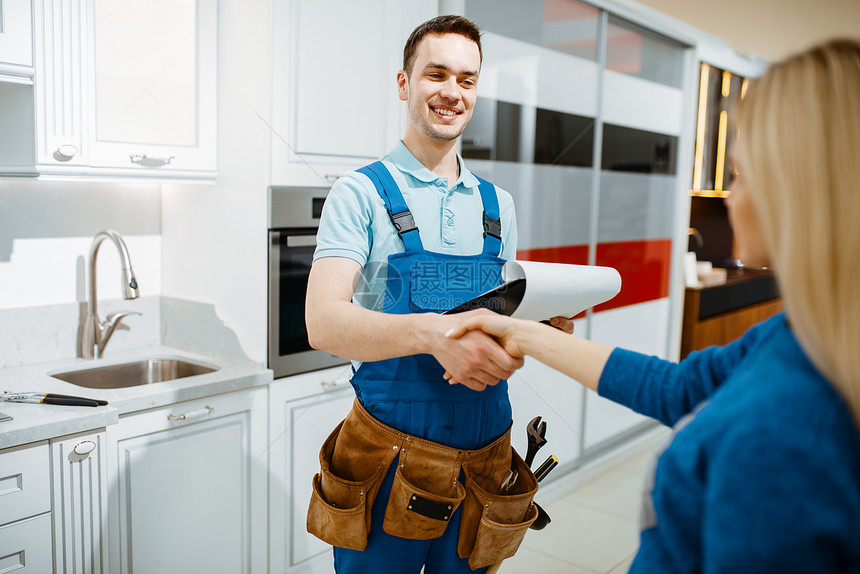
<point x="500" y="327"/>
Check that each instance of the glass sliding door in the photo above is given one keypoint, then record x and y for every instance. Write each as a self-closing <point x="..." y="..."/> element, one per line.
<point x="579" y="117"/>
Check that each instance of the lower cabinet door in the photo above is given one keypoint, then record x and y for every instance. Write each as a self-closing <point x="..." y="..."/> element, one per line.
<point x="298" y="427"/>
<point x="25" y="546"/>
<point x="188" y="487"/>
<point x="80" y="512"/>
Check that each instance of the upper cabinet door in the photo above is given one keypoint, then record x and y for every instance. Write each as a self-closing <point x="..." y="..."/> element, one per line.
<point x="153" y="85"/>
<point x="16" y="37"/>
<point x="335" y="104"/>
<point x="122" y="89"/>
<point x="342" y="94"/>
<point x="60" y="114"/>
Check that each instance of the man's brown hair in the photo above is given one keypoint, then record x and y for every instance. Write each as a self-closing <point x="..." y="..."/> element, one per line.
<point x="448" y="24"/>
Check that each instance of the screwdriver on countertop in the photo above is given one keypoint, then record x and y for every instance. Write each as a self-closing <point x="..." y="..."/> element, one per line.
<point x="51" y="399"/>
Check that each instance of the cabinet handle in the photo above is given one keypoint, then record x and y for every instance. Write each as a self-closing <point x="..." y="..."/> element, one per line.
<point x="200" y="413"/>
<point x="65" y="152"/>
<point x="331" y="385"/>
<point x="150" y="161"/>
<point x="84" y="447"/>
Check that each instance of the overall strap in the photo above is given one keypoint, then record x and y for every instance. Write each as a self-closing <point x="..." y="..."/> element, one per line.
<point x="399" y="213"/>
<point x="492" y="218"/>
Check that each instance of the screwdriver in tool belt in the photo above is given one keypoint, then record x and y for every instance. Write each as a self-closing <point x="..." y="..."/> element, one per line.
<point x="547" y="465"/>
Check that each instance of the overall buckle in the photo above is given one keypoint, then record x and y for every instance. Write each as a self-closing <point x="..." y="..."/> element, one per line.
<point x="403" y="221"/>
<point x="492" y="227"/>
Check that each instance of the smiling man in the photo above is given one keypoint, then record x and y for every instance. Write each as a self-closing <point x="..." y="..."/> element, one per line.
<point x="440" y="99"/>
<point x="405" y="478"/>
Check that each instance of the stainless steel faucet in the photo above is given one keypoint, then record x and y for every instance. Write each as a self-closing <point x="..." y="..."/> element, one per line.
<point x="94" y="335"/>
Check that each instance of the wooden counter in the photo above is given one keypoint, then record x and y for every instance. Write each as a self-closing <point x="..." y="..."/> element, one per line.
<point x="720" y="314"/>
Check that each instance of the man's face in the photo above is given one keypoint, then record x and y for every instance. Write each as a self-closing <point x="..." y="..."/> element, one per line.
<point x="442" y="86"/>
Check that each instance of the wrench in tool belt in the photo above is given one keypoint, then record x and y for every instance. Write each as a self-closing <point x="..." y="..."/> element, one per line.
<point x="536" y="433"/>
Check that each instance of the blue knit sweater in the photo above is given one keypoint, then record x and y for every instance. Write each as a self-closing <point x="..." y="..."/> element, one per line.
<point x="763" y="470"/>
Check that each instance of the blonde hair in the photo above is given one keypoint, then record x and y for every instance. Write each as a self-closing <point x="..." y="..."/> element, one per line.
<point x="800" y="130"/>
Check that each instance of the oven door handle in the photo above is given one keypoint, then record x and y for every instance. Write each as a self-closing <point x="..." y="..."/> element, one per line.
<point x="301" y="240"/>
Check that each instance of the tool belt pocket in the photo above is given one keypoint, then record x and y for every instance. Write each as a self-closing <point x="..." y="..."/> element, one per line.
<point x="415" y="511"/>
<point x="493" y="525"/>
<point x="339" y="511"/>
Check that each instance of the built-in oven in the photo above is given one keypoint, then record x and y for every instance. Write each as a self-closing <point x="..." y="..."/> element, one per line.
<point x="294" y="214"/>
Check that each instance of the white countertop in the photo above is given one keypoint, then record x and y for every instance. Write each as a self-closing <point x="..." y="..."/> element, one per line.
<point x="34" y="422"/>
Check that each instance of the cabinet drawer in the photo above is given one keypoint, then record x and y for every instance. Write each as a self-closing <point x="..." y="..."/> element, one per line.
<point x="25" y="482"/>
<point x="25" y="547"/>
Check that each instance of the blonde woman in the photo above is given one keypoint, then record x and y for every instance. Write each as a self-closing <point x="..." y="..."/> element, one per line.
<point x="763" y="471"/>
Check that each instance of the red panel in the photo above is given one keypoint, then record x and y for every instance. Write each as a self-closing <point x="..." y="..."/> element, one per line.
<point x="574" y="254"/>
<point x="644" y="266"/>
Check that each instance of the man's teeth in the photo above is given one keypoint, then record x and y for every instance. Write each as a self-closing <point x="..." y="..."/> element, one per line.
<point x="444" y="112"/>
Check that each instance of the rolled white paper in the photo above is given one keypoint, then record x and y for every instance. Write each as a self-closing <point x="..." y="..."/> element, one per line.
<point x="560" y="289"/>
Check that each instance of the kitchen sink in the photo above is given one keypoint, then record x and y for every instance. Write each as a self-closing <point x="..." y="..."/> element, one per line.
<point x="145" y="372"/>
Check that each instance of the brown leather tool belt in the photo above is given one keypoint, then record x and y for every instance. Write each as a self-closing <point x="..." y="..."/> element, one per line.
<point x="426" y="491"/>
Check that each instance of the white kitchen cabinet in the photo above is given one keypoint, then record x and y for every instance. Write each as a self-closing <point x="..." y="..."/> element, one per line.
<point x="16" y="84"/>
<point x="304" y="409"/>
<point x="25" y="482"/>
<point x="16" y="40"/>
<point x="122" y="89"/>
<point x="188" y="487"/>
<point x="25" y="546"/>
<point x="80" y="503"/>
<point x="335" y="103"/>
<point x="25" y="509"/>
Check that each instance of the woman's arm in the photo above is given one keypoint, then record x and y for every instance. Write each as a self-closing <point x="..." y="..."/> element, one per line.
<point x="649" y="385"/>
<point x="577" y="358"/>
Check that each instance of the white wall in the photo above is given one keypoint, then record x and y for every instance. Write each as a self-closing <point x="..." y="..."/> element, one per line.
<point x="46" y="229"/>
<point x="52" y="271"/>
<point x="214" y="238"/>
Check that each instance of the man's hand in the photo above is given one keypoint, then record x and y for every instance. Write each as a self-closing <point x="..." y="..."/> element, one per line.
<point x="474" y="359"/>
<point x="563" y="324"/>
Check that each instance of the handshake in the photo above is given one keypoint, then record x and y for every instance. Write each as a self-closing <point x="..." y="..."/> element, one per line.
<point x="490" y="347"/>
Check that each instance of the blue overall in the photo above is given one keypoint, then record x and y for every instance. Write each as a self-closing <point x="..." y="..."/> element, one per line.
<point x="410" y="394"/>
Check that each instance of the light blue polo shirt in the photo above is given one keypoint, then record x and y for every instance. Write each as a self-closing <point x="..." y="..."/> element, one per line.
<point x="355" y="222"/>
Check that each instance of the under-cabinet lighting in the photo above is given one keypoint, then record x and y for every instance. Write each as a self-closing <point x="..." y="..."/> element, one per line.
<point x="721" y="150"/>
<point x="709" y="193"/>
<point x="700" y="127"/>
<point x="727" y="83"/>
